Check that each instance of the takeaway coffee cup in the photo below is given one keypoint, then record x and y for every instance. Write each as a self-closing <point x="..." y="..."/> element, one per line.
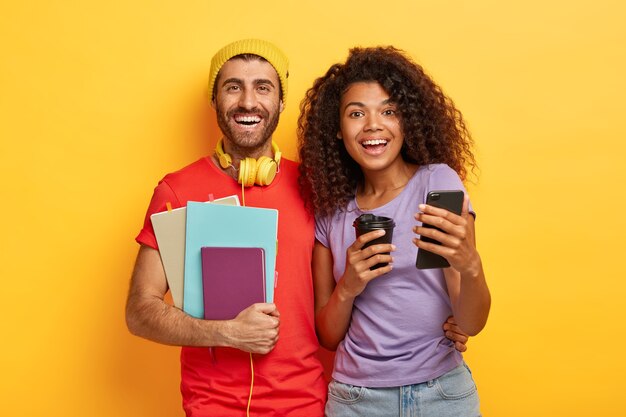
<point x="367" y="223"/>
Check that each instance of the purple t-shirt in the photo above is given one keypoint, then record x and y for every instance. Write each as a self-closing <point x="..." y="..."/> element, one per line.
<point x="395" y="336"/>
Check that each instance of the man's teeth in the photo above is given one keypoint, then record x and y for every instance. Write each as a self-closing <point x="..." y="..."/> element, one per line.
<point x="373" y="142"/>
<point x="248" y="119"/>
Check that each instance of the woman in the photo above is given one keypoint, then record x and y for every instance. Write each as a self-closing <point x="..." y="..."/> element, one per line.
<point x="375" y="135"/>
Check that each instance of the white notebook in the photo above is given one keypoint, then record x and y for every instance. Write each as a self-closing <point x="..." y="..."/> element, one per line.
<point x="169" y="229"/>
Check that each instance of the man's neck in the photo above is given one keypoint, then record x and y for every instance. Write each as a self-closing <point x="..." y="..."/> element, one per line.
<point x="238" y="153"/>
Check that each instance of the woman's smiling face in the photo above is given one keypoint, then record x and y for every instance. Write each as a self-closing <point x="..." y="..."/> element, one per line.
<point x="370" y="126"/>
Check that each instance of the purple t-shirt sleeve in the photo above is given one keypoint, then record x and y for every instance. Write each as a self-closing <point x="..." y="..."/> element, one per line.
<point x="321" y="230"/>
<point x="445" y="178"/>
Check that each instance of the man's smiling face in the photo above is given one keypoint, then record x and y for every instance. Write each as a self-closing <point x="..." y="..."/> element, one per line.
<point x="247" y="102"/>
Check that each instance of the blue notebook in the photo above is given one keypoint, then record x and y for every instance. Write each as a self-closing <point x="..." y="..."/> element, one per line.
<point x="231" y="226"/>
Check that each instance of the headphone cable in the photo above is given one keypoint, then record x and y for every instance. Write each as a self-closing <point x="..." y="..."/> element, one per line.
<point x="251" y="385"/>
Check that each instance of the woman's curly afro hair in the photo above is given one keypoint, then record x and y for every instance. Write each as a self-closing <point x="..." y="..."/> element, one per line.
<point x="433" y="129"/>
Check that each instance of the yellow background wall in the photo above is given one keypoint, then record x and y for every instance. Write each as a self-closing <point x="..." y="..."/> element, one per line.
<point x="98" y="100"/>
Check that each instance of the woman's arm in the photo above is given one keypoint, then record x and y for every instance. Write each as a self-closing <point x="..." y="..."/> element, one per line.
<point x="333" y="303"/>
<point x="467" y="287"/>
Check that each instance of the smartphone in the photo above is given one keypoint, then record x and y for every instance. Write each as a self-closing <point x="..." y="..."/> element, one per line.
<point x="451" y="200"/>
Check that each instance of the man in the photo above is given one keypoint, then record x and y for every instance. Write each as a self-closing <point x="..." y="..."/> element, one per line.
<point x="248" y="90"/>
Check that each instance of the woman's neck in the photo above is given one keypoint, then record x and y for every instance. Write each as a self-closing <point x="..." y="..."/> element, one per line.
<point x="378" y="188"/>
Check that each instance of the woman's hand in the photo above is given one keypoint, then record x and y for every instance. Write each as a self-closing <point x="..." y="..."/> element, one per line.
<point x="359" y="260"/>
<point x="458" y="240"/>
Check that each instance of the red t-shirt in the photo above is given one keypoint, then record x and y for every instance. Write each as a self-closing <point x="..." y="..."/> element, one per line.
<point x="289" y="380"/>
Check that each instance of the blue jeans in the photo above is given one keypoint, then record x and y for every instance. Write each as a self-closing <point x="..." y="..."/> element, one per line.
<point x="451" y="395"/>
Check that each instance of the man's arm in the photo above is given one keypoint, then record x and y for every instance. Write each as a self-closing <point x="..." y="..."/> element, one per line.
<point x="255" y="329"/>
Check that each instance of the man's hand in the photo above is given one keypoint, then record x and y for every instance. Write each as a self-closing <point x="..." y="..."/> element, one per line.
<point x="454" y="333"/>
<point x="255" y="329"/>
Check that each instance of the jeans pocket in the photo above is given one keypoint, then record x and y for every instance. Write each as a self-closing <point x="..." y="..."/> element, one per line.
<point x="344" y="393"/>
<point x="456" y="384"/>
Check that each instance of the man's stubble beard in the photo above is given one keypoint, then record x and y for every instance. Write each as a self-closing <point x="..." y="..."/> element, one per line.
<point x="247" y="142"/>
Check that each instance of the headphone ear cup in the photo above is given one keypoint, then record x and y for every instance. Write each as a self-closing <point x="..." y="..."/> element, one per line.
<point x="247" y="172"/>
<point x="266" y="171"/>
<point x="224" y="158"/>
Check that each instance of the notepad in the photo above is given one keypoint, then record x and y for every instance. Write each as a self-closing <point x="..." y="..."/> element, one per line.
<point x="226" y="226"/>
<point x="232" y="280"/>
<point x="169" y="229"/>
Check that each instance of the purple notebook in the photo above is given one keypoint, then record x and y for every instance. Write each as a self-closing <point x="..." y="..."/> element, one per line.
<point x="232" y="279"/>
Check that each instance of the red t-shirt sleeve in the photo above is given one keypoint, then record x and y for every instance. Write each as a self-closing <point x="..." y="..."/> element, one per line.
<point x="163" y="194"/>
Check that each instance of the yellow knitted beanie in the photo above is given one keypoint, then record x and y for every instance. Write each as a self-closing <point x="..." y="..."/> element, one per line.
<point x="264" y="49"/>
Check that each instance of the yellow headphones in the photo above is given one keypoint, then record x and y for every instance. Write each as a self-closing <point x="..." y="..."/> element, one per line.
<point x="252" y="171"/>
